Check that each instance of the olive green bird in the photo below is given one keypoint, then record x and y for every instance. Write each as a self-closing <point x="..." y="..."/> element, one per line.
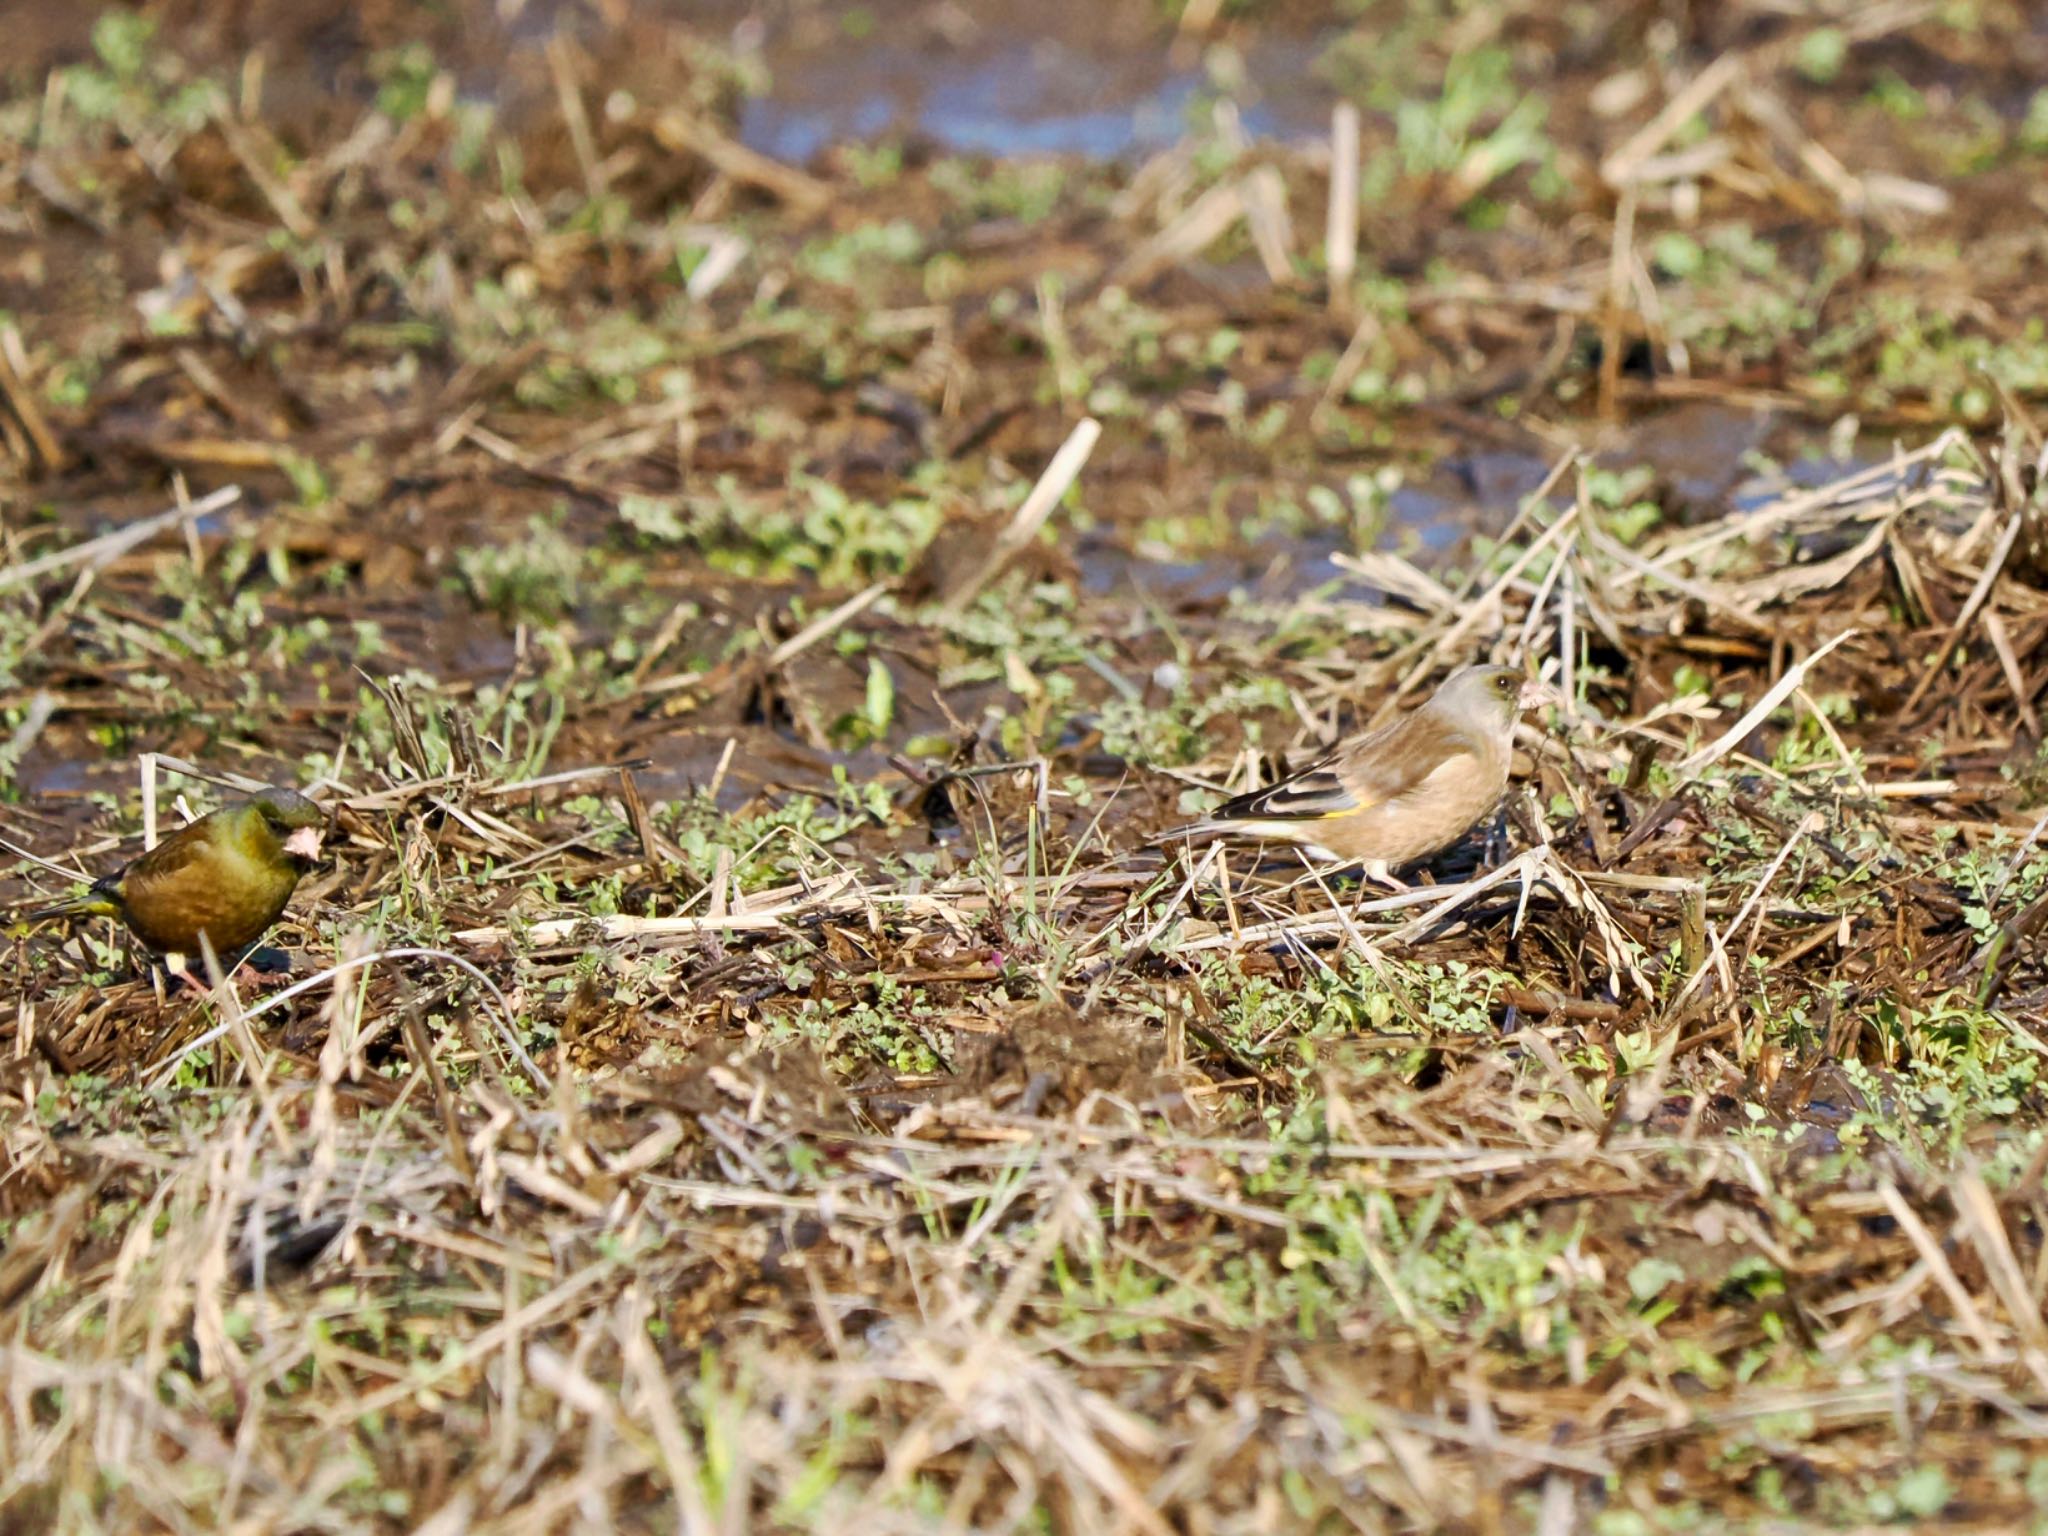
<point x="226" y="876"/>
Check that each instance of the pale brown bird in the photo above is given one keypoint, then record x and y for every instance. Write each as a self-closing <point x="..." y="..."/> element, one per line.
<point x="1397" y="794"/>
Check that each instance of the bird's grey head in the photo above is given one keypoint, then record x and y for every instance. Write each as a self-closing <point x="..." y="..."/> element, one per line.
<point x="1495" y="696"/>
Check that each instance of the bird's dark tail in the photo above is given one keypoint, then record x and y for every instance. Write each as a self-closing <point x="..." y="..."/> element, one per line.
<point x="99" y="901"/>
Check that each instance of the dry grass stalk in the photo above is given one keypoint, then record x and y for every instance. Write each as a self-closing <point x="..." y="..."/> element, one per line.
<point x="1272" y="228"/>
<point x="99" y="552"/>
<point x="21" y="400"/>
<point x="683" y="133"/>
<point x="861" y="1170"/>
<point x="1190" y="233"/>
<point x="1340" y="234"/>
<point x="1024" y="524"/>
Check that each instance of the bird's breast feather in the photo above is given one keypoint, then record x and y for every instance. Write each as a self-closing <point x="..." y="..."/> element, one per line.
<point x="1403" y="757"/>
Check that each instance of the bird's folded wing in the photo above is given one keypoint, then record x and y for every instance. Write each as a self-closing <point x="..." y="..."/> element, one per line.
<point x="1391" y="762"/>
<point x="1315" y="792"/>
<point x="166" y="862"/>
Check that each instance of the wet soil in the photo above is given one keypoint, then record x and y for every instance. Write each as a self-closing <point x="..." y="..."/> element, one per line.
<point x="323" y="376"/>
<point x="525" y="493"/>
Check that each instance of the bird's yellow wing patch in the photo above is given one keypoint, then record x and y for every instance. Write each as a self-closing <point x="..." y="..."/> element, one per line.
<point x="1314" y="794"/>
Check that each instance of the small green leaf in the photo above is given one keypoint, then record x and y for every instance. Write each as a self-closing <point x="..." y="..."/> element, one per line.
<point x="1925" y="1491"/>
<point x="1821" y="53"/>
<point x="880" y="707"/>
<point x="1651" y="1276"/>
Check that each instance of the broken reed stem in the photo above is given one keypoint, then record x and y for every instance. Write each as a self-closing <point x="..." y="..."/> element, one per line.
<point x="1479" y="612"/>
<point x="1197" y="227"/>
<point x="569" y="99"/>
<point x="1619" y="170"/>
<point x="21" y="399"/>
<point x="1986" y="579"/>
<point x="1340" y="233"/>
<point x="1030" y="516"/>
<point x="1728" y="740"/>
<point x="1812" y="823"/>
<point x="505" y="1018"/>
<point x="680" y="131"/>
<point x="824" y="625"/>
<point x="111" y="546"/>
<point x="1616" y="306"/>
<point x="147" y="763"/>
<point x="1272" y="228"/>
<point x="2009" y="664"/>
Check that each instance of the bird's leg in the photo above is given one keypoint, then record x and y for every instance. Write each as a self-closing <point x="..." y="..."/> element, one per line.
<point x="1376" y="871"/>
<point x="238" y="974"/>
<point x="174" y="966"/>
<point x="1495" y="847"/>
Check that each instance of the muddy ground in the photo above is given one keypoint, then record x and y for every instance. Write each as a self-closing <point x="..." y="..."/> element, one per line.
<point x="744" y="1064"/>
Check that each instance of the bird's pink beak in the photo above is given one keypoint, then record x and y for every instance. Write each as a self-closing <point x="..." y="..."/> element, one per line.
<point x="304" y="842"/>
<point x="1535" y="694"/>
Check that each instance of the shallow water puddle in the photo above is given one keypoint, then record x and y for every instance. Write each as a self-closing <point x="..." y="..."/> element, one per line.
<point x="1009" y="78"/>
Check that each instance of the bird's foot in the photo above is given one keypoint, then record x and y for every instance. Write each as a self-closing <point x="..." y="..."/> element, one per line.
<point x="175" y="978"/>
<point x="1377" y="873"/>
<point x="251" y="972"/>
<point x="266" y="963"/>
